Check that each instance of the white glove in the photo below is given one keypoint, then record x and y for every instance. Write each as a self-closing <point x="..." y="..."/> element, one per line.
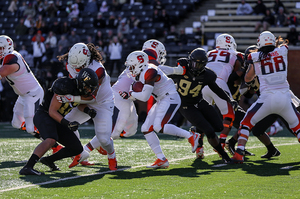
<point x="68" y="98"/>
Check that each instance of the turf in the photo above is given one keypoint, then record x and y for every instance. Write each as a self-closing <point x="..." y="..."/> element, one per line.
<point x="186" y="177"/>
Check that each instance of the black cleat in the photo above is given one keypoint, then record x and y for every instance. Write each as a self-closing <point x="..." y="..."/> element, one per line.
<point x="272" y="153"/>
<point x="230" y="148"/>
<point x="51" y="165"/>
<point x="248" y="153"/>
<point x="30" y="171"/>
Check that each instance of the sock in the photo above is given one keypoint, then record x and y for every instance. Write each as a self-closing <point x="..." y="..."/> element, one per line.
<point x="232" y="141"/>
<point x="171" y="129"/>
<point x="32" y="161"/>
<point x="222" y="152"/>
<point x="111" y="155"/>
<point x="154" y="144"/>
<point x="88" y="147"/>
<point x="270" y="147"/>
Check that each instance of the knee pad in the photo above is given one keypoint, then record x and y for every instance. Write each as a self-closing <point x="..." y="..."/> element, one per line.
<point x="104" y="140"/>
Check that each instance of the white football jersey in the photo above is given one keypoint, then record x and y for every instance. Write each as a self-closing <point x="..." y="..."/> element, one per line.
<point x="272" y="70"/>
<point x="104" y="93"/>
<point x="161" y="87"/>
<point x="123" y="83"/>
<point x="222" y="62"/>
<point x="23" y="81"/>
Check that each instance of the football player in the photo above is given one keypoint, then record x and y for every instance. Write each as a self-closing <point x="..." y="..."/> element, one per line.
<point x="18" y="74"/>
<point x="87" y="56"/>
<point x="223" y="60"/>
<point x="193" y="107"/>
<point x="53" y="126"/>
<point x="162" y="88"/>
<point x="269" y="64"/>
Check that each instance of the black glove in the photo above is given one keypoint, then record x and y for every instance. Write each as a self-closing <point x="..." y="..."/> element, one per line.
<point x="91" y="112"/>
<point x="73" y="126"/>
<point x="183" y="62"/>
<point x="234" y="104"/>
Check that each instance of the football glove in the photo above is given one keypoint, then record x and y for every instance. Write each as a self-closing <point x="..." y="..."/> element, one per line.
<point x="68" y="98"/>
<point x="126" y="95"/>
<point x="73" y="126"/>
<point x="234" y="104"/>
<point x="91" y="112"/>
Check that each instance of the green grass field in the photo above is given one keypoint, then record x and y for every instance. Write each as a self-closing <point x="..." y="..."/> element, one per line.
<point x="186" y="177"/>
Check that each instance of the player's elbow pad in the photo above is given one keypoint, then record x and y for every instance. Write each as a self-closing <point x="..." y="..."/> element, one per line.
<point x="145" y="94"/>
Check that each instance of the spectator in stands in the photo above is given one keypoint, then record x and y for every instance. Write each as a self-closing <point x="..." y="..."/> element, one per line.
<point x="123" y="27"/>
<point x="38" y="22"/>
<point x="293" y="35"/>
<point x="134" y="22"/>
<point x="101" y="49"/>
<point x="266" y="22"/>
<point x="199" y="37"/>
<point x="65" y="28"/>
<point x="32" y="30"/>
<point x="44" y="28"/>
<point x="260" y="8"/>
<point x="55" y="27"/>
<point x="21" y="29"/>
<point x="38" y="34"/>
<point x="22" y="8"/>
<point x="60" y="7"/>
<point x="182" y="38"/>
<point x="46" y="5"/>
<point x="75" y="23"/>
<point x="51" y="39"/>
<point x="68" y="7"/>
<point x="108" y="37"/>
<point x="73" y="38"/>
<point x="281" y="19"/>
<point x="13" y="6"/>
<point x="47" y="56"/>
<point x="112" y="21"/>
<point x="98" y="36"/>
<point x="172" y="36"/>
<point x="158" y="5"/>
<point x="51" y="11"/>
<point x="244" y="8"/>
<point x="23" y="51"/>
<point x="115" y="6"/>
<point x="99" y="22"/>
<point x="74" y="11"/>
<point x="63" y="42"/>
<point x="40" y="10"/>
<point x="104" y="7"/>
<point x="277" y="5"/>
<point x="156" y="16"/>
<point x="115" y="55"/>
<point x="166" y="19"/>
<point x="28" y="21"/>
<point x="38" y="52"/>
<point x="91" y="8"/>
<point x="58" y="66"/>
<point x="81" y="5"/>
<point x="88" y="39"/>
<point x="29" y="11"/>
<point x="126" y="49"/>
<point x="292" y="19"/>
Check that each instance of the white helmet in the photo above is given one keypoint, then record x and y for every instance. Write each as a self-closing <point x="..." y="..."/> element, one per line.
<point x="226" y="41"/>
<point x="136" y="62"/>
<point x="266" y="38"/>
<point x="79" y="56"/>
<point x="6" y="46"/>
<point x="159" y="48"/>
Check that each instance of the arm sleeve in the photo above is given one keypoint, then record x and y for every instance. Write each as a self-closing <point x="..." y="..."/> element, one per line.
<point x="168" y="70"/>
<point x="145" y="94"/>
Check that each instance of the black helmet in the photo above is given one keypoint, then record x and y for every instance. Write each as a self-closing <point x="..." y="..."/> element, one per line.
<point x="197" y="61"/>
<point x="249" y="50"/>
<point x="87" y="81"/>
<point x="64" y="86"/>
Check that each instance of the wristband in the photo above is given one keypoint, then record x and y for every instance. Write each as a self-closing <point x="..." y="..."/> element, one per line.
<point x="77" y="99"/>
<point x="64" y="122"/>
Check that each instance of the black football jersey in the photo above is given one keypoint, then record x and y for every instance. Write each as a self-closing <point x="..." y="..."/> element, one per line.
<point x="65" y="108"/>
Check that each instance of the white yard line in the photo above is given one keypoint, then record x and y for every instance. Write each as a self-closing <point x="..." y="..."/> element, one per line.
<point x="106" y="172"/>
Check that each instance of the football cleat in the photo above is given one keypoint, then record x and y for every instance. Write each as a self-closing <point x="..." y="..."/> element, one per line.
<point x="271" y="153"/>
<point x="30" y="171"/>
<point x="86" y="163"/>
<point x="112" y="164"/>
<point x="57" y="148"/>
<point x="193" y="140"/>
<point x="230" y="148"/>
<point x="23" y="127"/>
<point x="238" y="156"/>
<point x="101" y="150"/>
<point x="159" y="164"/>
<point x="122" y="135"/>
<point x="274" y="130"/>
<point x="200" y="153"/>
<point x="51" y="165"/>
<point x="79" y="158"/>
<point x="248" y="153"/>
